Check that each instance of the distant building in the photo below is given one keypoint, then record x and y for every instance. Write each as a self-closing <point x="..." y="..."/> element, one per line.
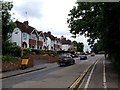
<point x="66" y="44"/>
<point x="53" y="43"/>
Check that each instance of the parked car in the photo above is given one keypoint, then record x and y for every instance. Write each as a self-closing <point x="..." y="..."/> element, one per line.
<point x="92" y="54"/>
<point x="65" y="59"/>
<point x="83" y="57"/>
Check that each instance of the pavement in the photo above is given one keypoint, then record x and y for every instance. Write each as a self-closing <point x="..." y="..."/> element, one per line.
<point x="38" y="65"/>
<point x="113" y="76"/>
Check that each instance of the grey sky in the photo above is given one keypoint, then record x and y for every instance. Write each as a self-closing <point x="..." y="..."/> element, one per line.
<point x="31" y="7"/>
<point x="98" y="0"/>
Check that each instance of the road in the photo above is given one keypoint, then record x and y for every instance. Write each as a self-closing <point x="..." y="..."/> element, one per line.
<point x="96" y="76"/>
<point x="62" y="77"/>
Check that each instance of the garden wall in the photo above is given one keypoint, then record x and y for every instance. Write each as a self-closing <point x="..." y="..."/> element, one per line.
<point x="14" y="65"/>
<point x="49" y="59"/>
<point x="10" y="65"/>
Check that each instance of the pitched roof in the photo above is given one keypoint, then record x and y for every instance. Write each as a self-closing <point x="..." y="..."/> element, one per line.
<point x="40" y="33"/>
<point x="64" y="41"/>
<point x="59" y="40"/>
<point x="24" y="27"/>
<point x="48" y="34"/>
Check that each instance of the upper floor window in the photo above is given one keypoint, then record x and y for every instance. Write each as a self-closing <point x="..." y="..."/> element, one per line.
<point x="40" y="38"/>
<point x="16" y="31"/>
<point x="24" y="35"/>
<point x="33" y="36"/>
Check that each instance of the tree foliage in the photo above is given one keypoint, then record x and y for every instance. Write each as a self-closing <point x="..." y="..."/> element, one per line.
<point x="7" y="27"/>
<point x="79" y="45"/>
<point x="7" y="24"/>
<point x="85" y="19"/>
<point x="97" y="47"/>
<point x="98" y="21"/>
<point x="11" y="49"/>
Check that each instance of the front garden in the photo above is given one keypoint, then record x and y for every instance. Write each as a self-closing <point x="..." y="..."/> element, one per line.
<point x="13" y="55"/>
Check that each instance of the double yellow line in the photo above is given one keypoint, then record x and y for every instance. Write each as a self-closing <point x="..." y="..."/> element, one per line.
<point x="76" y="83"/>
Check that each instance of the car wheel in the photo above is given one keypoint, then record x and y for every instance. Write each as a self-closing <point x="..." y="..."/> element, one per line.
<point x="60" y="65"/>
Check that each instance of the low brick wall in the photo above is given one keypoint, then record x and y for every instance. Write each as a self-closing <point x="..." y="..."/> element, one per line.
<point x="10" y="65"/>
<point x="31" y="62"/>
<point x="49" y="59"/>
<point x="14" y="65"/>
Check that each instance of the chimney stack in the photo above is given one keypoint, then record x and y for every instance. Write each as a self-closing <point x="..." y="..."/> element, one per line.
<point x="49" y="32"/>
<point x="26" y="23"/>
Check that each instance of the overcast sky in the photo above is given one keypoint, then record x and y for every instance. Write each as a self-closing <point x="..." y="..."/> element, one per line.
<point x="46" y="15"/>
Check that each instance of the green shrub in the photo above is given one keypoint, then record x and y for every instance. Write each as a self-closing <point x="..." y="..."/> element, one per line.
<point x="45" y="55"/>
<point x="26" y="52"/>
<point x="33" y="53"/>
<point x="11" y="49"/>
<point x="9" y="58"/>
<point x="36" y="51"/>
<point x="14" y="50"/>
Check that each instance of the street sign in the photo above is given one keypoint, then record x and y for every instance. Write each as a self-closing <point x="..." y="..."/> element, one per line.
<point x="25" y="61"/>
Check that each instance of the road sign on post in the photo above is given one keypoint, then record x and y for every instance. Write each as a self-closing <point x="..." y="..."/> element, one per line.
<point x="22" y="51"/>
<point x="24" y="63"/>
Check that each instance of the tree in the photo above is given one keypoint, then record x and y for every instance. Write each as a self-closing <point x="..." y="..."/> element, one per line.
<point x="79" y="46"/>
<point x="7" y="27"/>
<point x="85" y="20"/>
<point x="75" y="43"/>
<point x="7" y="24"/>
<point x="98" y="21"/>
<point x="97" y="47"/>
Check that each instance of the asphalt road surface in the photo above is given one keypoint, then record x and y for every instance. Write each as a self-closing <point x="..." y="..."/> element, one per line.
<point x="96" y="77"/>
<point x="61" y="77"/>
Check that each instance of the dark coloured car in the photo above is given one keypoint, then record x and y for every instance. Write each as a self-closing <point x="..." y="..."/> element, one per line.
<point x="65" y="59"/>
<point x="83" y="57"/>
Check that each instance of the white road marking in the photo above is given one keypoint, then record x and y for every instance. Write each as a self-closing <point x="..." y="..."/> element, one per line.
<point x="83" y="81"/>
<point x="104" y="75"/>
<point x="88" y="80"/>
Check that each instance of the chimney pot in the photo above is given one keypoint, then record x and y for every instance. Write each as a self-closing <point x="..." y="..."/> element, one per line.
<point x="26" y="22"/>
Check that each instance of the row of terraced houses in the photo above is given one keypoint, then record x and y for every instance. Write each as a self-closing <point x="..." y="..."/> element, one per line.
<point x="28" y="37"/>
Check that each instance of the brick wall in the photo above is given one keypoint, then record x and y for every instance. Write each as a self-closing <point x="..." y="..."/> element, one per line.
<point x="14" y="65"/>
<point x="49" y="59"/>
<point x="10" y="65"/>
